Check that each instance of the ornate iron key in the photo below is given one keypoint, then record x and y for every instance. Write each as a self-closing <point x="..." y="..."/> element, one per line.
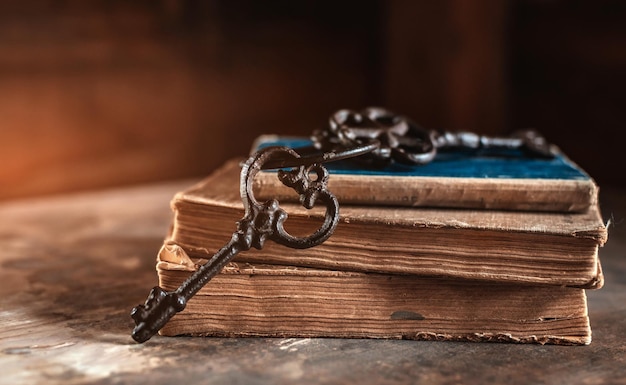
<point x="374" y="134"/>
<point x="402" y="140"/>
<point x="260" y="222"/>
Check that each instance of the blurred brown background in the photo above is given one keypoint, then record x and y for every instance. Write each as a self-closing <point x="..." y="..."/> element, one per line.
<point x="96" y="94"/>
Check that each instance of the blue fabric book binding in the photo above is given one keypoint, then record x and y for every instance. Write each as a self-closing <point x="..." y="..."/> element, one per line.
<point x="493" y="179"/>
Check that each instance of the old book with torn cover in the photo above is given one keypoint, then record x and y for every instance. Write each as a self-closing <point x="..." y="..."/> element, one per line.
<point x="286" y="301"/>
<point x="539" y="248"/>
<point x="488" y="179"/>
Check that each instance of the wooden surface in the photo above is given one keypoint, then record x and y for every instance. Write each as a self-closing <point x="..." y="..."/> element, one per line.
<point x="73" y="266"/>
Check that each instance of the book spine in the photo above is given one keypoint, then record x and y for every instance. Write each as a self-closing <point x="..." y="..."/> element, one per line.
<point x="471" y="193"/>
<point x="254" y="302"/>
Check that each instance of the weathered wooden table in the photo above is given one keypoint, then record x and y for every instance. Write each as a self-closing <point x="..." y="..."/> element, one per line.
<point x="73" y="266"/>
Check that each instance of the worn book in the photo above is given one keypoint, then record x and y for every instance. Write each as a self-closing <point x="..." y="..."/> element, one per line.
<point x="287" y="301"/>
<point x="489" y="179"/>
<point x="539" y="248"/>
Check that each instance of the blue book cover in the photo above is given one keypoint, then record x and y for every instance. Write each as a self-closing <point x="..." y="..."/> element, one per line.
<point x="493" y="179"/>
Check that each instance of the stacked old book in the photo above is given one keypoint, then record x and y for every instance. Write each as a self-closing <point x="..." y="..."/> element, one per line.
<point x="469" y="247"/>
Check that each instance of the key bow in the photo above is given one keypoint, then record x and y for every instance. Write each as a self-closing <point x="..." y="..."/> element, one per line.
<point x="398" y="137"/>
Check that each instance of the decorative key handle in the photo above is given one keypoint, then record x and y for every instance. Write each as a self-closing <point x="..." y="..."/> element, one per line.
<point x="402" y="140"/>
<point x="260" y="222"/>
<point x="399" y="139"/>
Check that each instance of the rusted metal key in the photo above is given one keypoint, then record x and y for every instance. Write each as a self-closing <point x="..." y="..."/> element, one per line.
<point x="261" y="221"/>
<point x="374" y="134"/>
<point x="402" y="140"/>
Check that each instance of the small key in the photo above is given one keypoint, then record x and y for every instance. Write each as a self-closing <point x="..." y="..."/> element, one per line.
<point x="402" y="140"/>
<point x="259" y="223"/>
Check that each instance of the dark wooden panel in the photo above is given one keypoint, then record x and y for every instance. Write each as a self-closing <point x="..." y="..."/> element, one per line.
<point x="568" y="75"/>
<point x="104" y="93"/>
<point x="445" y="63"/>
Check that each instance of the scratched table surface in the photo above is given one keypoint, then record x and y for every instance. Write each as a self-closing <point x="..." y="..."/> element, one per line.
<point x="72" y="267"/>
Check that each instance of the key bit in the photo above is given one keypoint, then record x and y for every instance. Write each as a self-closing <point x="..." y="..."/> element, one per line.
<point x="529" y="141"/>
<point x="261" y="221"/>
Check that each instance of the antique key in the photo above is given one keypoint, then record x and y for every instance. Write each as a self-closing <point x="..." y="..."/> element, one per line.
<point x="402" y="140"/>
<point x="374" y="134"/>
<point x="259" y="223"/>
